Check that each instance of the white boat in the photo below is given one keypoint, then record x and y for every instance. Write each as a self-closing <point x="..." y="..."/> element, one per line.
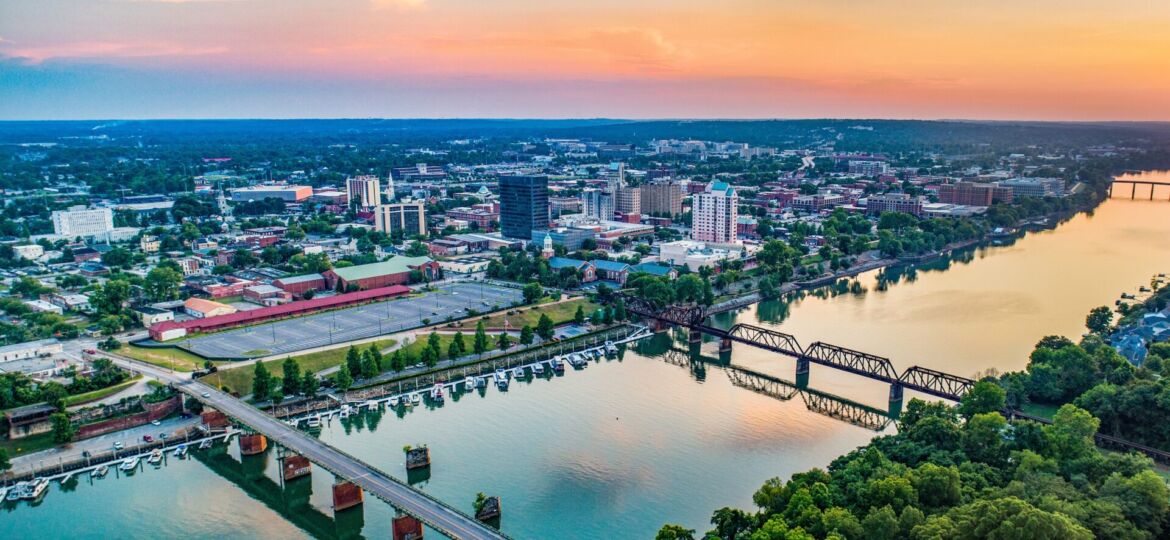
<point x="181" y="451"/>
<point x="469" y="383"/>
<point x="207" y="442"/>
<point x="3" y="492"/>
<point x="129" y="464"/>
<point x="372" y="405"/>
<point x="437" y="392"/>
<point x="36" y="490"/>
<point x="156" y="457"/>
<point x="394" y="401"/>
<point x="100" y="471"/>
<point x="415" y="398"/>
<point x="501" y="378"/>
<point x="610" y="348"/>
<point x="538" y="369"/>
<point x="481" y="382"/>
<point x="518" y="373"/>
<point x="344" y="411"/>
<point x="557" y="364"/>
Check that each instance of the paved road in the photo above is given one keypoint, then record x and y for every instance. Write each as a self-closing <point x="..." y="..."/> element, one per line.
<point x="431" y="511"/>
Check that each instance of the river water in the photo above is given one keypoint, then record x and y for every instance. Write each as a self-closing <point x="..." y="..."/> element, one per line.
<point x="617" y="449"/>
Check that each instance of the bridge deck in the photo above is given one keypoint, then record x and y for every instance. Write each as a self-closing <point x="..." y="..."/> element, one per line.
<point x="435" y="513"/>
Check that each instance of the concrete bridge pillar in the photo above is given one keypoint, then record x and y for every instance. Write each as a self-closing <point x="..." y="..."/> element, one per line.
<point x="253" y="444"/>
<point x="896" y="391"/>
<point x="659" y="326"/>
<point x="725" y="345"/>
<point x="346" y="495"/>
<point x="694" y="336"/>
<point x="407" y="528"/>
<point x="295" y="466"/>
<point x="802" y="366"/>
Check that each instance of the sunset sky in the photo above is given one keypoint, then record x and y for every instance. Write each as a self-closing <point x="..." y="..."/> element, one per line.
<point x="985" y="59"/>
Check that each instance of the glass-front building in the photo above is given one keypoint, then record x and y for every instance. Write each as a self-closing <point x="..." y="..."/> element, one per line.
<point x="523" y="205"/>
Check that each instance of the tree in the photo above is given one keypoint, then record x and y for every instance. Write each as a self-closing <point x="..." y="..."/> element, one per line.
<point x="376" y="353"/>
<point x="291" y="380"/>
<point x="309" y="384"/>
<point x="984" y="397"/>
<point x="433" y="342"/>
<point x="544" y="327"/>
<point x="261" y="382"/>
<point x="671" y="531"/>
<point x="428" y="357"/>
<point x="533" y="292"/>
<point x="343" y="380"/>
<point x="353" y="361"/>
<point x="110" y="298"/>
<point x="579" y="316"/>
<point x="503" y="342"/>
<point x="369" y="367"/>
<point x="277" y="393"/>
<point x="63" y="429"/>
<point x="1099" y="320"/>
<point x="162" y="284"/>
<point x="5" y="464"/>
<point x="526" y="335"/>
<point x="481" y="340"/>
<point x="459" y="344"/>
<point x="729" y="522"/>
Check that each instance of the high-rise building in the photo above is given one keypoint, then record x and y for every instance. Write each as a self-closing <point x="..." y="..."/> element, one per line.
<point x="78" y="221"/>
<point x="715" y="212"/>
<point x="628" y="201"/>
<point x="523" y="205"/>
<point x="598" y="204"/>
<point x="363" y="191"/>
<point x="407" y="217"/>
<point x="662" y="198"/>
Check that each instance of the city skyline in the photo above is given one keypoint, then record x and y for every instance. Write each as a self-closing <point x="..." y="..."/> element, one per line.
<point x="1047" y="60"/>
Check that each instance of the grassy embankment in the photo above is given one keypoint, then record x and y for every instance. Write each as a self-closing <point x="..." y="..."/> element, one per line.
<point x="87" y="397"/>
<point x="240" y="379"/>
<point x="169" y="358"/>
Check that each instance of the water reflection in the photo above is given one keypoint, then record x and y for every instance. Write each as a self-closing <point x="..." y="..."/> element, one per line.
<point x="663" y="347"/>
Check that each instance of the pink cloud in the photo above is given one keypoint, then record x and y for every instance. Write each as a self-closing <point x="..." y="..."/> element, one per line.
<point x="105" y="50"/>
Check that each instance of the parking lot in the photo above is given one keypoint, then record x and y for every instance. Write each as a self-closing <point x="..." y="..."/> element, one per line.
<point x="337" y="326"/>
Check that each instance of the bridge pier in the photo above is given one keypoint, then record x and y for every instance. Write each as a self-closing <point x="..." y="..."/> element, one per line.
<point x="896" y="392"/>
<point x="725" y="345"/>
<point x="346" y="495"/>
<point x="253" y="444"/>
<point x="802" y="366"/>
<point x="659" y="326"/>
<point x="295" y="466"/>
<point x="407" y="528"/>
<point x="694" y="336"/>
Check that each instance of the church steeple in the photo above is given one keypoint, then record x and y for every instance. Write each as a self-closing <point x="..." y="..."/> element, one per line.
<point x="548" y="252"/>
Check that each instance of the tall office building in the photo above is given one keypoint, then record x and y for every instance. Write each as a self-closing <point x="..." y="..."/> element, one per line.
<point x="598" y="204"/>
<point x="523" y="205"/>
<point x="628" y="201"/>
<point x="662" y="198"/>
<point x="407" y="217"/>
<point x="974" y="193"/>
<point x="715" y="212"/>
<point x="363" y="191"/>
<point x="78" y="221"/>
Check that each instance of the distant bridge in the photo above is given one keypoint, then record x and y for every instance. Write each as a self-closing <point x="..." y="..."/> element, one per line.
<point x="1135" y="183"/>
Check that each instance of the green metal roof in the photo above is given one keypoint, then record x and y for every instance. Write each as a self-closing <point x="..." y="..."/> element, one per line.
<point x="396" y="265"/>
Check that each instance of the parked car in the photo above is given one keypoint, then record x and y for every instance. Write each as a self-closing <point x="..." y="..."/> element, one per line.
<point x="147" y="438"/>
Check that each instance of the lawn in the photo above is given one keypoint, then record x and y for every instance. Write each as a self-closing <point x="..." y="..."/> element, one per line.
<point x="102" y="393"/>
<point x="1041" y="410"/>
<point x="240" y="379"/>
<point x="28" y="445"/>
<point x="530" y="315"/>
<point x="169" y="358"/>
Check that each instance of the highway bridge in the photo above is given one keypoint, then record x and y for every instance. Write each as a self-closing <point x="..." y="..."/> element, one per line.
<point x="427" y="509"/>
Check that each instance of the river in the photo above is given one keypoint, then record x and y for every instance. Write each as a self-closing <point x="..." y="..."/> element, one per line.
<point x="625" y="445"/>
